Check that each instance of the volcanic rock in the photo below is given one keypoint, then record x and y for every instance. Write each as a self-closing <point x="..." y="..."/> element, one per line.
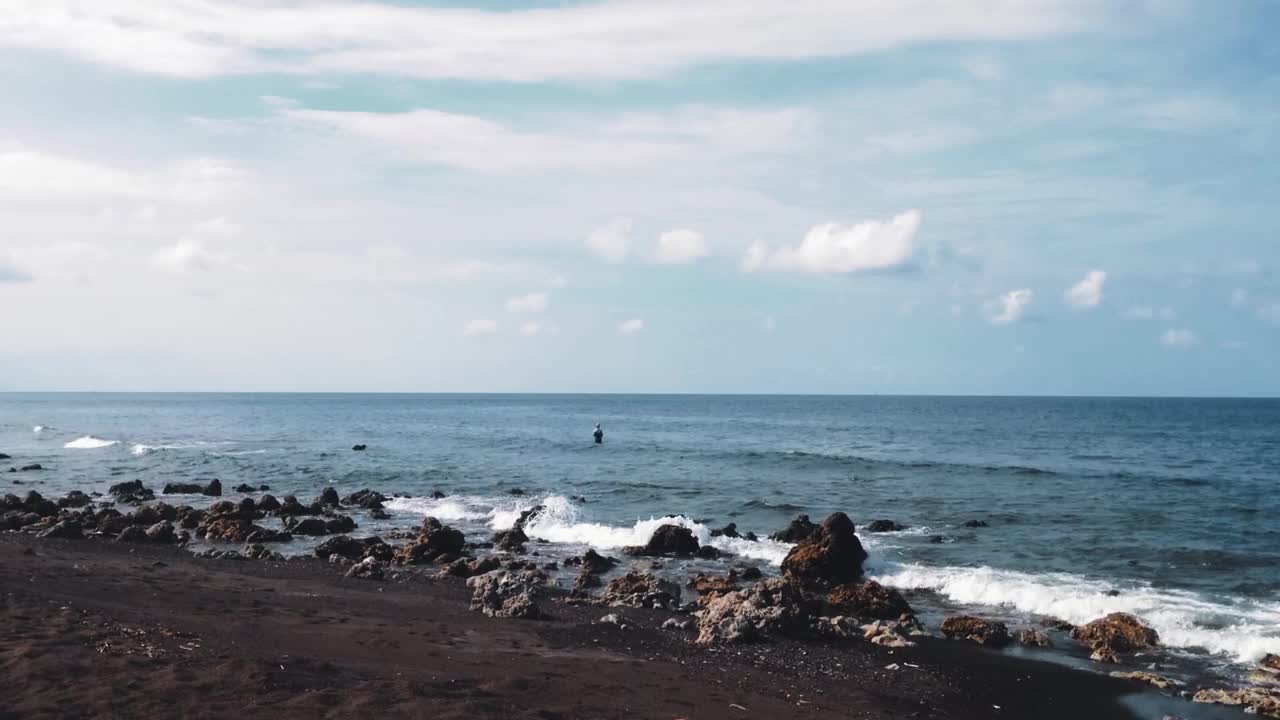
<point x="868" y="600"/>
<point x="831" y="556"/>
<point x="799" y="530"/>
<point x="983" y="632"/>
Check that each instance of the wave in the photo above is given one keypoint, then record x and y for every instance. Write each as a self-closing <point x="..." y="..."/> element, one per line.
<point x="89" y="442"/>
<point x="1242" y="630"/>
<point x="561" y="522"/>
<point x="39" y="429"/>
<point x="766" y="505"/>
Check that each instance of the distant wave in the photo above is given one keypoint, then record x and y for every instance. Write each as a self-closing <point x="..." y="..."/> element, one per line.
<point x="89" y="442"/>
<point x="1242" y="630"/>
<point x="766" y="505"/>
<point x="38" y="429"/>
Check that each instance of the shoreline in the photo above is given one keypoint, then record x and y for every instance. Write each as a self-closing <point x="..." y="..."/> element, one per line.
<point x="132" y="629"/>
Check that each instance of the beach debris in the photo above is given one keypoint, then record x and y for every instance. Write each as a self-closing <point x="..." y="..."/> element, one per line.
<point x="508" y="594"/>
<point x="641" y="590"/>
<point x="831" y="556"/>
<point x="1115" y="634"/>
<point x="883" y="526"/>
<point x="735" y="706"/>
<point x="799" y="530"/>
<point x="1260" y="701"/>
<point x="983" y="632"/>
<point x="667" y="540"/>
<point x="1160" y="681"/>
<point x="868" y="600"/>
<point x="750" y="614"/>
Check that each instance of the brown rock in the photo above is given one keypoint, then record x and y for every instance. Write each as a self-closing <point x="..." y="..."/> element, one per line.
<point x="868" y="600"/>
<point x="983" y="632"/>
<point x="709" y="586"/>
<point x="1260" y="701"/>
<point x="1114" y="635"/>
<point x="799" y="530"/>
<point x="434" y="542"/>
<point x="1159" y="681"/>
<point x="1034" y="638"/>
<point x="752" y="614"/>
<point x="638" y="589"/>
<point x="832" y="556"/>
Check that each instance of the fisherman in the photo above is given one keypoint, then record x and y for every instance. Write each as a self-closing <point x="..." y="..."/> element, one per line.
<point x="598" y="434"/>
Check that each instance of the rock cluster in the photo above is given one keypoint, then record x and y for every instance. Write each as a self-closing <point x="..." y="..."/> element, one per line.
<point x="831" y="555"/>
<point x="435" y="543"/>
<point x="639" y="589"/>
<point x="1114" y="635"/>
<point x="509" y="594"/>
<point x="868" y="599"/>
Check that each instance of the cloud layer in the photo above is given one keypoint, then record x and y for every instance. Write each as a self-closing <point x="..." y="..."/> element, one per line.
<point x="1087" y="294"/>
<point x="681" y="247"/>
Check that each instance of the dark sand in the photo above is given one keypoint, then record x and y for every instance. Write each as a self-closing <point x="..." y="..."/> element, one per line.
<point x="100" y="629"/>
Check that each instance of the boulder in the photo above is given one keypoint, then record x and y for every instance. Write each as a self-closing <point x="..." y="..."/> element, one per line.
<point x="182" y="489"/>
<point x="339" y="524"/>
<point x="5" y="457"/>
<point x="308" y="526"/>
<point x="983" y="632"/>
<point x="1034" y="638"/>
<point x="799" y="530"/>
<point x="31" y="467"/>
<point x="291" y="507"/>
<point x="1254" y="700"/>
<point x="437" y="495"/>
<point x="1115" y="634"/>
<point x="341" y="545"/>
<point x="752" y="614"/>
<point x="466" y="568"/>
<point x="328" y="498"/>
<point x="245" y="488"/>
<point x="132" y="534"/>
<point x="976" y="524"/>
<point x="527" y="515"/>
<point x="260" y="552"/>
<point x="504" y="593"/>
<point x="261" y="535"/>
<point x="268" y="503"/>
<point x="368" y="569"/>
<point x="729" y="531"/>
<point x="367" y="499"/>
<point x="434" y="542"/>
<point x="593" y="562"/>
<point x="749" y="573"/>
<point x="213" y="489"/>
<point x="882" y="526"/>
<point x="868" y="600"/>
<point x="831" y="556"/>
<point x="379" y="514"/>
<point x="131" y="492"/>
<point x="161" y="532"/>
<point x="75" y="499"/>
<point x="1270" y="661"/>
<point x="66" y="529"/>
<point x="667" y="540"/>
<point x="708" y="586"/>
<point x="359" y="447"/>
<point x="707" y="552"/>
<point x="512" y="540"/>
<point x="34" y="502"/>
<point x="638" y="589"/>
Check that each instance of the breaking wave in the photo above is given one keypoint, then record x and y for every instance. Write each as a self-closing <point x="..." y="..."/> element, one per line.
<point x="1239" y="629"/>
<point x="89" y="442"/>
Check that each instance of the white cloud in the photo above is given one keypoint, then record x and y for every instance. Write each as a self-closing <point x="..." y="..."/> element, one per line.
<point x="611" y="242"/>
<point x="830" y="248"/>
<point x="632" y="326"/>
<point x="1239" y="298"/>
<point x="1009" y="308"/>
<point x="1179" y="339"/>
<point x="1087" y="293"/>
<point x="611" y="39"/>
<point x="10" y="273"/>
<point x="28" y="173"/>
<point x="1270" y="312"/>
<point x="532" y="303"/>
<point x="187" y="255"/>
<point x="530" y="329"/>
<point x="480" y="326"/>
<point x="681" y="246"/>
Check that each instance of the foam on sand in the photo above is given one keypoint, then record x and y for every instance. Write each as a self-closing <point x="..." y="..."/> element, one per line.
<point x="89" y="442"/>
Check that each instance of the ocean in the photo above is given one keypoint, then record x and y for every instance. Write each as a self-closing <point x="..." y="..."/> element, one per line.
<point x="1165" y="508"/>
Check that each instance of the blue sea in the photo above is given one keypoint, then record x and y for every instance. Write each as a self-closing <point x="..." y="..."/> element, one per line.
<point x="1165" y="508"/>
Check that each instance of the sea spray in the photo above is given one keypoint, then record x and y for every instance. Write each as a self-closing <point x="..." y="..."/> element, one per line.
<point x="89" y="442"/>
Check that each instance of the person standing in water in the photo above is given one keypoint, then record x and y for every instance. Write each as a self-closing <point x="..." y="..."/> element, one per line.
<point x="598" y="434"/>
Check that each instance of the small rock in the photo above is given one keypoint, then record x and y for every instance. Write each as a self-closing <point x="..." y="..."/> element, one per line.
<point x="31" y="467"/>
<point x="359" y="447"/>
<point x="883" y="526"/>
<point x="612" y="619"/>
<point x="677" y="624"/>
<point x="976" y="524"/>
<point x="213" y="489"/>
<point x="800" y="529"/>
<point x="1159" y="681"/>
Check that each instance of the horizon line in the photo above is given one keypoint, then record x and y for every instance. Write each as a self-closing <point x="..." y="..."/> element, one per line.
<point x="639" y="394"/>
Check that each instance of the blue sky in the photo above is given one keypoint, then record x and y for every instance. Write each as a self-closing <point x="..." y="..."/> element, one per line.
<point x="831" y="196"/>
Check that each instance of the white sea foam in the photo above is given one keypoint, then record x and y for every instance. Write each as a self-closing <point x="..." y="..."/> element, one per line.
<point x="89" y="442"/>
<point x="561" y="522"/>
<point x="1241" y="630"/>
<point x="38" y="429"/>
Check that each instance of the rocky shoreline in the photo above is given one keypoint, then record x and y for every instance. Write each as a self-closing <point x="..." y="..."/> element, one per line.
<point x="822" y="626"/>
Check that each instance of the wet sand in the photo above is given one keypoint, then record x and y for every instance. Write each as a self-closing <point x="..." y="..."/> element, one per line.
<point x="102" y="629"/>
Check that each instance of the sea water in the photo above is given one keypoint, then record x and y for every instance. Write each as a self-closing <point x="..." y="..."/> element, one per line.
<point x="1165" y="508"/>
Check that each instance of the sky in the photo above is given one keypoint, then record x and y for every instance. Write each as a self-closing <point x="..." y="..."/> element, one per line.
<point x="1046" y="197"/>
